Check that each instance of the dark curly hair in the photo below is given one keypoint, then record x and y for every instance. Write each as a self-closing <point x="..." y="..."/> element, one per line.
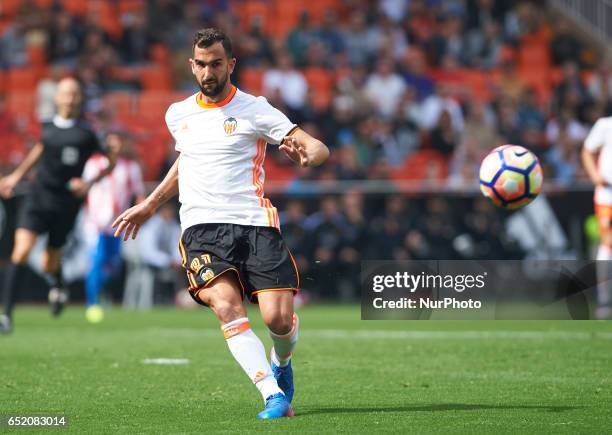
<point x="206" y="37"/>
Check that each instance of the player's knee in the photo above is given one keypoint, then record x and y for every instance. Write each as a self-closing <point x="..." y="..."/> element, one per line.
<point x="227" y="311"/>
<point x="279" y="322"/>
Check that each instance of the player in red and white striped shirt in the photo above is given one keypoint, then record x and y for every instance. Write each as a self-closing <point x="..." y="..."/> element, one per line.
<point x="105" y="200"/>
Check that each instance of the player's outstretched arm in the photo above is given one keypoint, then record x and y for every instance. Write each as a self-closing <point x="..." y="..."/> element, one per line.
<point x="8" y="183"/>
<point x="589" y="161"/>
<point x="129" y="222"/>
<point x="304" y="149"/>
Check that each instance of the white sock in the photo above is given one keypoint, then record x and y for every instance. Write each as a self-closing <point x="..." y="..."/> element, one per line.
<point x="285" y="344"/>
<point x="250" y="353"/>
<point x="604" y="269"/>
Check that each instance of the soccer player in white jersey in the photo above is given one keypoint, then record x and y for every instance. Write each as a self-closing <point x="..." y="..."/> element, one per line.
<point x="597" y="161"/>
<point x="231" y="244"/>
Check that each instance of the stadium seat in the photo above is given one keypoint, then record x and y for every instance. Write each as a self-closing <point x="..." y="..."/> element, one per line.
<point x="120" y="104"/>
<point x="22" y="79"/>
<point x="126" y="6"/>
<point x="75" y="7"/>
<point x="534" y="55"/>
<point x="418" y="165"/>
<point x="37" y="55"/>
<point x="287" y="13"/>
<point x="9" y="8"/>
<point x="154" y="104"/>
<point x="155" y="78"/>
<point x="21" y="103"/>
<point x="160" y="54"/>
<point x="248" y="10"/>
<point x="251" y="80"/>
<point x="44" y="3"/>
<point x="321" y="84"/>
<point x="539" y="79"/>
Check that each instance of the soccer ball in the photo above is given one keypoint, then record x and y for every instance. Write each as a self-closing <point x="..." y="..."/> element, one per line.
<point x="510" y="176"/>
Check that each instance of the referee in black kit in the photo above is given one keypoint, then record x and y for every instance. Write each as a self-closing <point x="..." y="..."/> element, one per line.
<point x="56" y="195"/>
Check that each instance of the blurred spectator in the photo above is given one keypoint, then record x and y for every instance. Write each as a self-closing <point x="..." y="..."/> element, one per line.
<point x="158" y="264"/>
<point x="136" y="39"/>
<point x="600" y="85"/>
<point x="385" y="88"/>
<point x="357" y="39"/>
<point x="443" y="137"/>
<point x="484" y="47"/>
<point x="329" y="34"/>
<point x="287" y="82"/>
<point x="299" y="39"/>
<point x="565" y="46"/>
<point x="13" y="45"/>
<point x="65" y="39"/>
<point x="415" y="75"/>
<point x="571" y="90"/>
<point x="440" y="102"/>
<point x="255" y="48"/>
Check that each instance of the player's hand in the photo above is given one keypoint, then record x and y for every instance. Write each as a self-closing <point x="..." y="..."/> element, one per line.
<point x="78" y="187"/>
<point x="295" y="151"/>
<point x="7" y="186"/>
<point x="129" y="222"/>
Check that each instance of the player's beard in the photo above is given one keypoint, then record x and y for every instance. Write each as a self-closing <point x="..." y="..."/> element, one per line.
<point x="216" y="90"/>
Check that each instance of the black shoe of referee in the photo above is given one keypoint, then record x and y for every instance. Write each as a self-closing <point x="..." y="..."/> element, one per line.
<point x="57" y="300"/>
<point x="6" y="326"/>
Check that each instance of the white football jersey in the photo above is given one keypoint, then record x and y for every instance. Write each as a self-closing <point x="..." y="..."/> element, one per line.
<point x="113" y="193"/>
<point x="223" y="146"/>
<point x="600" y="138"/>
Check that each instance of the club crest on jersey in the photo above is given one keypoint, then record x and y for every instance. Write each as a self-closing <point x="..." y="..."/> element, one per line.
<point x="229" y="125"/>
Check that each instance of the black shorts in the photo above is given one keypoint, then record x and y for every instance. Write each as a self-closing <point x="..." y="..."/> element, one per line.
<point x="257" y="255"/>
<point x="42" y="217"/>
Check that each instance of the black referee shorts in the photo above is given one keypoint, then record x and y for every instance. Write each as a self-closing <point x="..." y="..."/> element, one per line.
<point x="257" y="255"/>
<point x="41" y="217"/>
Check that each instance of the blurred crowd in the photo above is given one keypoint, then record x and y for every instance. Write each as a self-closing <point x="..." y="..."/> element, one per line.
<point x="400" y="90"/>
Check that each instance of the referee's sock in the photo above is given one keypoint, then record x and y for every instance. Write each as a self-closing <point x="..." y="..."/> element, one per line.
<point x="13" y="276"/>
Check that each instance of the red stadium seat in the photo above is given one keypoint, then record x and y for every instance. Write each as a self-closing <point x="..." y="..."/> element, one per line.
<point x="154" y="104"/>
<point x="75" y="7"/>
<point x="37" y="56"/>
<point x="126" y="6"/>
<point x="21" y="103"/>
<point x="119" y="103"/>
<point x="321" y="84"/>
<point x="44" y="3"/>
<point x="418" y="165"/>
<point x="22" y="79"/>
<point x="156" y="78"/>
<point x="160" y="54"/>
<point x="9" y="8"/>
<point x="247" y="11"/>
<point x="251" y="80"/>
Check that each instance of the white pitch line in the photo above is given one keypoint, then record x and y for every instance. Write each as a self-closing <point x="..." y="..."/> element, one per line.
<point x="166" y="361"/>
<point x="404" y="335"/>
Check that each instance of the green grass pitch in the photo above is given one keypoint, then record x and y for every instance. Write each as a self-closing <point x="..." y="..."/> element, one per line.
<point x="352" y="376"/>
